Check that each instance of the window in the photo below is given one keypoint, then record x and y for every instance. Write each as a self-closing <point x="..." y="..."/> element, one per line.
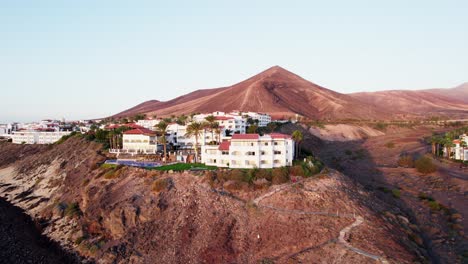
<point x="276" y="143"/>
<point x="225" y="153"/>
<point x="266" y="143"/>
<point x="277" y="152"/>
<point x="250" y="153"/>
<point x="251" y="144"/>
<point x="276" y="161"/>
<point x="262" y="153"/>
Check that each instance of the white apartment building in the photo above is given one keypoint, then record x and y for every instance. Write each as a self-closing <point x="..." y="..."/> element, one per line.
<point x="37" y="137"/>
<point x="263" y="119"/>
<point x="148" y="123"/>
<point x="460" y="153"/>
<point x="177" y="136"/>
<point x="251" y="151"/>
<point x="235" y="124"/>
<point x="140" y="140"/>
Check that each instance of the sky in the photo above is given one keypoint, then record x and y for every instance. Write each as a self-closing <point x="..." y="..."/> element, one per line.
<point x="90" y="59"/>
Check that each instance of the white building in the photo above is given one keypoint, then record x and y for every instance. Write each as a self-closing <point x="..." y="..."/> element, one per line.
<point x="177" y="136"/>
<point x="460" y="153"/>
<point x="148" y="123"/>
<point x="251" y="151"/>
<point x="37" y="137"/>
<point x="140" y="140"/>
<point x="263" y="119"/>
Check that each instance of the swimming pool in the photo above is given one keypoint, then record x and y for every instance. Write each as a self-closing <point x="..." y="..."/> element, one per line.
<point x="134" y="163"/>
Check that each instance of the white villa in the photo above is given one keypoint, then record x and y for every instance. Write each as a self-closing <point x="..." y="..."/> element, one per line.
<point x="264" y="119"/>
<point x="251" y="151"/>
<point x="460" y="153"/>
<point x="37" y="137"/>
<point x="177" y="136"/>
<point x="140" y="140"/>
<point x="148" y="123"/>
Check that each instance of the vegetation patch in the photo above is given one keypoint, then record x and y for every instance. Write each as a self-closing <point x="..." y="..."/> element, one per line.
<point x="161" y="184"/>
<point x="390" y="144"/>
<point x="406" y="161"/>
<point x="424" y="165"/>
<point x="73" y="210"/>
<point x="183" y="167"/>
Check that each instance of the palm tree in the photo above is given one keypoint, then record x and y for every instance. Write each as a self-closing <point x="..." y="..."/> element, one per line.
<point x="161" y="127"/>
<point x="297" y="137"/>
<point x="434" y="141"/>
<point x="195" y="129"/>
<point x="448" y="143"/>
<point x="211" y="121"/>
<point x="463" y="145"/>
<point x="217" y="130"/>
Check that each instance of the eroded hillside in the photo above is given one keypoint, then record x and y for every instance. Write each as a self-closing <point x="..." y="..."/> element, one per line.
<point x="140" y="216"/>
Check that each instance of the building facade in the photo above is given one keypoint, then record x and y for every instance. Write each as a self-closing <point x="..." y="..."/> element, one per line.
<point x="251" y="151"/>
<point x="37" y="137"/>
<point x="460" y="151"/>
<point x="140" y="141"/>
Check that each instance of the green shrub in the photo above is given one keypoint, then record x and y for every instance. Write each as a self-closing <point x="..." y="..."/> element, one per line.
<point x="424" y="165"/>
<point x="73" y="209"/>
<point x="160" y="184"/>
<point x="264" y="174"/>
<point x="406" y="161"/>
<point x="396" y="193"/>
<point x="381" y="126"/>
<point x="434" y="205"/>
<point x="348" y="152"/>
<point x="422" y="196"/>
<point x="280" y="175"/>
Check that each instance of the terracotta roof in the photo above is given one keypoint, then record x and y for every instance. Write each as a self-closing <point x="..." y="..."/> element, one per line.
<point x="224" y="145"/>
<point x="140" y="131"/>
<point x="245" y="136"/>
<point x="279" y="135"/>
<point x="456" y="141"/>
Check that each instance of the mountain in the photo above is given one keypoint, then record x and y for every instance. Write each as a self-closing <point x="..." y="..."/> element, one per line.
<point x="453" y="102"/>
<point x="283" y="94"/>
<point x="275" y="91"/>
<point x="458" y="93"/>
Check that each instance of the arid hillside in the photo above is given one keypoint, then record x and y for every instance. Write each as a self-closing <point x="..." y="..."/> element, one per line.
<point x="134" y="215"/>
<point x="436" y="202"/>
<point x="282" y="94"/>
<point x="459" y="93"/>
<point x="423" y="102"/>
<point x="275" y="91"/>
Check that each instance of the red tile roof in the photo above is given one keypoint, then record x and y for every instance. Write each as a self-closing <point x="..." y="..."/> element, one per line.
<point x="456" y="141"/>
<point x="140" y="131"/>
<point x="224" y="145"/>
<point x="245" y="136"/>
<point x="279" y="135"/>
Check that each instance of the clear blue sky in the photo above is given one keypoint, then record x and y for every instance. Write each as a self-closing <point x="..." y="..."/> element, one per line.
<point x="85" y="59"/>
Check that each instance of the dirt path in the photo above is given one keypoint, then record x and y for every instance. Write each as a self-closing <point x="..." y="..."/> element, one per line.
<point x="344" y="233"/>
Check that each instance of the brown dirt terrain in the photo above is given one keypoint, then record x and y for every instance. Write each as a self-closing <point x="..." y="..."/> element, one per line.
<point x="372" y="161"/>
<point x="194" y="220"/>
<point x="284" y="94"/>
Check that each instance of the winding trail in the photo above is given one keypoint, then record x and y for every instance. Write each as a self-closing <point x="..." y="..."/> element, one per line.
<point x="344" y="233"/>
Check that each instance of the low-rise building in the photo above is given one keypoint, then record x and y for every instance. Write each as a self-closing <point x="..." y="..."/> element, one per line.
<point x="263" y="119"/>
<point x="140" y="140"/>
<point x="37" y="137"/>
<point x="148" y="123"/>
<point x="460" y="149"/>
<point x="251" y="151"/>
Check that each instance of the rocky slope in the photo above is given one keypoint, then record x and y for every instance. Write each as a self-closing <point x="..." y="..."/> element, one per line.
<point x="118" y="215"/>
<point x="281" y="94"/>
<point x="275" y="91"/>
